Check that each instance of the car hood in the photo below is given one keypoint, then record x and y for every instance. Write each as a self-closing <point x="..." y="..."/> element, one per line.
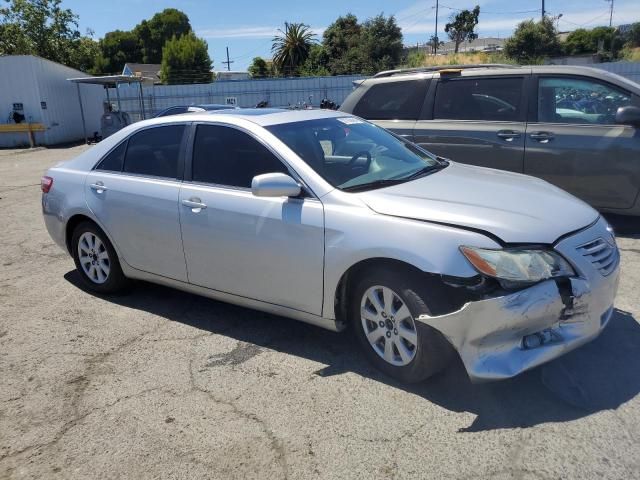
<point x="516" y="208"/>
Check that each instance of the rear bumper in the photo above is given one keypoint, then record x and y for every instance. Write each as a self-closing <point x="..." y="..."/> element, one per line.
<point x="503" y="336"/>
<point x="53" y="219"/>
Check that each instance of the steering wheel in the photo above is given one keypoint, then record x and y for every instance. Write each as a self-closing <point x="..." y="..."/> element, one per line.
<point x="352" y="162"/>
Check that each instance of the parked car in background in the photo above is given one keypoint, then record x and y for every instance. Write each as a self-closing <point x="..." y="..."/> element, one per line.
<point x="576" y="127"/>
<point x="205" y="107"/>
<point x="326" y="218"/>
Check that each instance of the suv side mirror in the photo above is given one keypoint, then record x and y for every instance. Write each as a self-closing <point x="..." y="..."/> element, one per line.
<point x="628" y="115"/>
<point x="274" y="185"/>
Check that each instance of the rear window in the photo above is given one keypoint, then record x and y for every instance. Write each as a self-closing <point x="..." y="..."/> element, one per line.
<point x="392" y="101"/>
<point x="496" y="99"/>
<point x="155" y="151"/>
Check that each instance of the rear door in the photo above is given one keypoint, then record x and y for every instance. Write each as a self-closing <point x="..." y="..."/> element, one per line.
<point x="394" y="103"/>
<point x="133" y="192"/>
<point x="479" y="120"/>
<point x="574" y="142"/>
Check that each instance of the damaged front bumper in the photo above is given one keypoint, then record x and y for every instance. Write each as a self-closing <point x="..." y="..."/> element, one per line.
<point x="503" y="336"/>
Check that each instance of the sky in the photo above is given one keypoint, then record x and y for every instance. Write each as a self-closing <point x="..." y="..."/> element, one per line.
<point x="247" y="26"/>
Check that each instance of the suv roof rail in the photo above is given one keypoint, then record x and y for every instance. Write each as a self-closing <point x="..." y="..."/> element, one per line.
<point x="405" y="71"/>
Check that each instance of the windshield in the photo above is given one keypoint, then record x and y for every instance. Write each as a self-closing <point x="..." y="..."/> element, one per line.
<point x="352" y="154"/>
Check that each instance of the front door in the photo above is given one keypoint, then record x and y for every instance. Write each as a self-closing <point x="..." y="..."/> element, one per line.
<point x="476" y="120"/>
<point x="576" y="145"/>
<point x="133" y="192"/>
<point x="268" y="249"/>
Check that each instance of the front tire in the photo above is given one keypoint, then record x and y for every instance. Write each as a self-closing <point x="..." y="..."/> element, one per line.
<point x="96" y="259"/>
<point x="384" y="306"/>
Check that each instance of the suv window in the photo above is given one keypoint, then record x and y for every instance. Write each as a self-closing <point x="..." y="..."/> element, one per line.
<point x="479" y="99"/>
<point x="114" y="160"/>
<point x="578" y="101"/>
<point x="172" y="111"/>
<point x="155" y="151"/>
<point x="392" y="100"/>
<point x="227" y="156"/>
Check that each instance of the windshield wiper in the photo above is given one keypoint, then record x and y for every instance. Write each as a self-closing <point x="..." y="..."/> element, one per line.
<point x="424" y="171"/>
<point x="371" y="185"/>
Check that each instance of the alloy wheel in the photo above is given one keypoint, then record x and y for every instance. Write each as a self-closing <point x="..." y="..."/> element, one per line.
<point x="94" y="257"/>
<point x="388" y="325"/>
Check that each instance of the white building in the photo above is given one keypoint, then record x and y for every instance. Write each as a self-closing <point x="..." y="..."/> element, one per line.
<point x="39" y="89"/>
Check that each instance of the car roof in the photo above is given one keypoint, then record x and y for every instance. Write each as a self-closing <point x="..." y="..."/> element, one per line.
<point x="261" y="116"/>
<point x="498" y="69"/>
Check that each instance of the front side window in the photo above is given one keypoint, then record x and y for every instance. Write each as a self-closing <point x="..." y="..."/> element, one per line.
<point x="352" y="154"/>
<point x="155" y="151"/>
<point x="579" y="101"/>
<point x="491" y="99"/>
<point x="400" y="100"/>
<point x="228" y="156"/>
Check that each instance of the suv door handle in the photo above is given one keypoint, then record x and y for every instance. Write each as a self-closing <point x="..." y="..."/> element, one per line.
<point x="542" y="137"/>
<point x="508" y="135"/>
<point x="98" y="187"/>
<point x="195" y="204"/>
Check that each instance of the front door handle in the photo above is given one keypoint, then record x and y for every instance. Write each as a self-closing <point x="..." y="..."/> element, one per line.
<point x="195" y="204"/>
<point x="508" y="135"/>
<point x="98" y="187"/>
<point x="542" y="137"/>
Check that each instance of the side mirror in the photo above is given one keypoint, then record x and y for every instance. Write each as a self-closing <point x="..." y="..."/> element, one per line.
<point x="628" y="115"/>
<point x="274" y="185"/>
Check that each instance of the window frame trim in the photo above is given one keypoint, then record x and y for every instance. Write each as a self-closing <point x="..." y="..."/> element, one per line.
<point x="533" y="117"/>
<point x="181" y="159"/>
<point x="522" y="106"/>
<point x="306" y="191"/>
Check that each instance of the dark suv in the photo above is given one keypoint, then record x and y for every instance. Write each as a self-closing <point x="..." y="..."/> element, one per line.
<point x="576" y="127"/>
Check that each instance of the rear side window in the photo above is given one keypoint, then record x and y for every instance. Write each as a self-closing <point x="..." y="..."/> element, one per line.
<point x="173" y="111"/>
<point x="227" y="156"/>
<point x="392" y="101"/>
<point x="114" y="161"/>
<point x="495" y="99"/>
<point x="155" y="151"/>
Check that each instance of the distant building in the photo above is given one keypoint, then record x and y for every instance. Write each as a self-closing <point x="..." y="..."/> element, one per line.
<point x="150" y="71"/>
<point x="231" y="75"/>
<point x="489" y="44"/>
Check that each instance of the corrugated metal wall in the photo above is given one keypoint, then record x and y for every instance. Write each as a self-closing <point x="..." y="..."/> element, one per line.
<point x="630" y="70"/>
<point x="31" y="80"/>
<point x="279" y="92"/>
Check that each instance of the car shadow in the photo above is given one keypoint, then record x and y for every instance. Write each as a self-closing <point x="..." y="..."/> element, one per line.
<point x="599" y="376"/>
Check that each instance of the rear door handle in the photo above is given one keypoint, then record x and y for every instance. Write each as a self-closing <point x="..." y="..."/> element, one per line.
<point x="98" y="187"/>
<point x="195" y="204"/>
<point x="542" y="137"/>
<point x="508" y="135"/>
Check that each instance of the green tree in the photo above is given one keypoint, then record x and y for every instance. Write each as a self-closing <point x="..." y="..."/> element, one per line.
<point x="532" y="41"/>
<point x="462" y="26"/>
<point x="259" y="68"/>
<point x="116" y="49"/>
<point x="316" y="63"/>
<point x="380" y="46"/>
<point x="592" y="41"/>
<point x="186" y="59"/>
<point x="45" y="29"/>
<point x="435" y="43"/>
<point x="85" y="55"/>
<point x="632" y="37"/>
<point x="291" y="47"/>
<point x="341" y="42"/>
<point x="154" y="33"/>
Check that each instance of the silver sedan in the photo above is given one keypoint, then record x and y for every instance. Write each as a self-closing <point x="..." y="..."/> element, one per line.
<point x="328" y="219"/>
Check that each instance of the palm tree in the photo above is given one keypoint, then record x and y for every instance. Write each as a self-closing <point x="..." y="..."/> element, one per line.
<point x="291" y="47"/>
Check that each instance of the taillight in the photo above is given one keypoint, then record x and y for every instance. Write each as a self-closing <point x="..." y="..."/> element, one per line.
<point x="45" y="184"/>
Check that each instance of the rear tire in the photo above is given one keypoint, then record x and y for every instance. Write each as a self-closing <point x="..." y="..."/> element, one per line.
<point x="383" y="308"/>
<point x="96" y="259"/>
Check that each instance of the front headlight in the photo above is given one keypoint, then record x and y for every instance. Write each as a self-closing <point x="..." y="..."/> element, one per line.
<point x="513" y="267"/>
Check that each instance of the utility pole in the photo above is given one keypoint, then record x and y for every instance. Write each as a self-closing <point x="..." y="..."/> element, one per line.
<point x="435" y="37"/>
<point x="543" y="10"/>
<point x="610" y="13"/>
<point x="228" y="62"/>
